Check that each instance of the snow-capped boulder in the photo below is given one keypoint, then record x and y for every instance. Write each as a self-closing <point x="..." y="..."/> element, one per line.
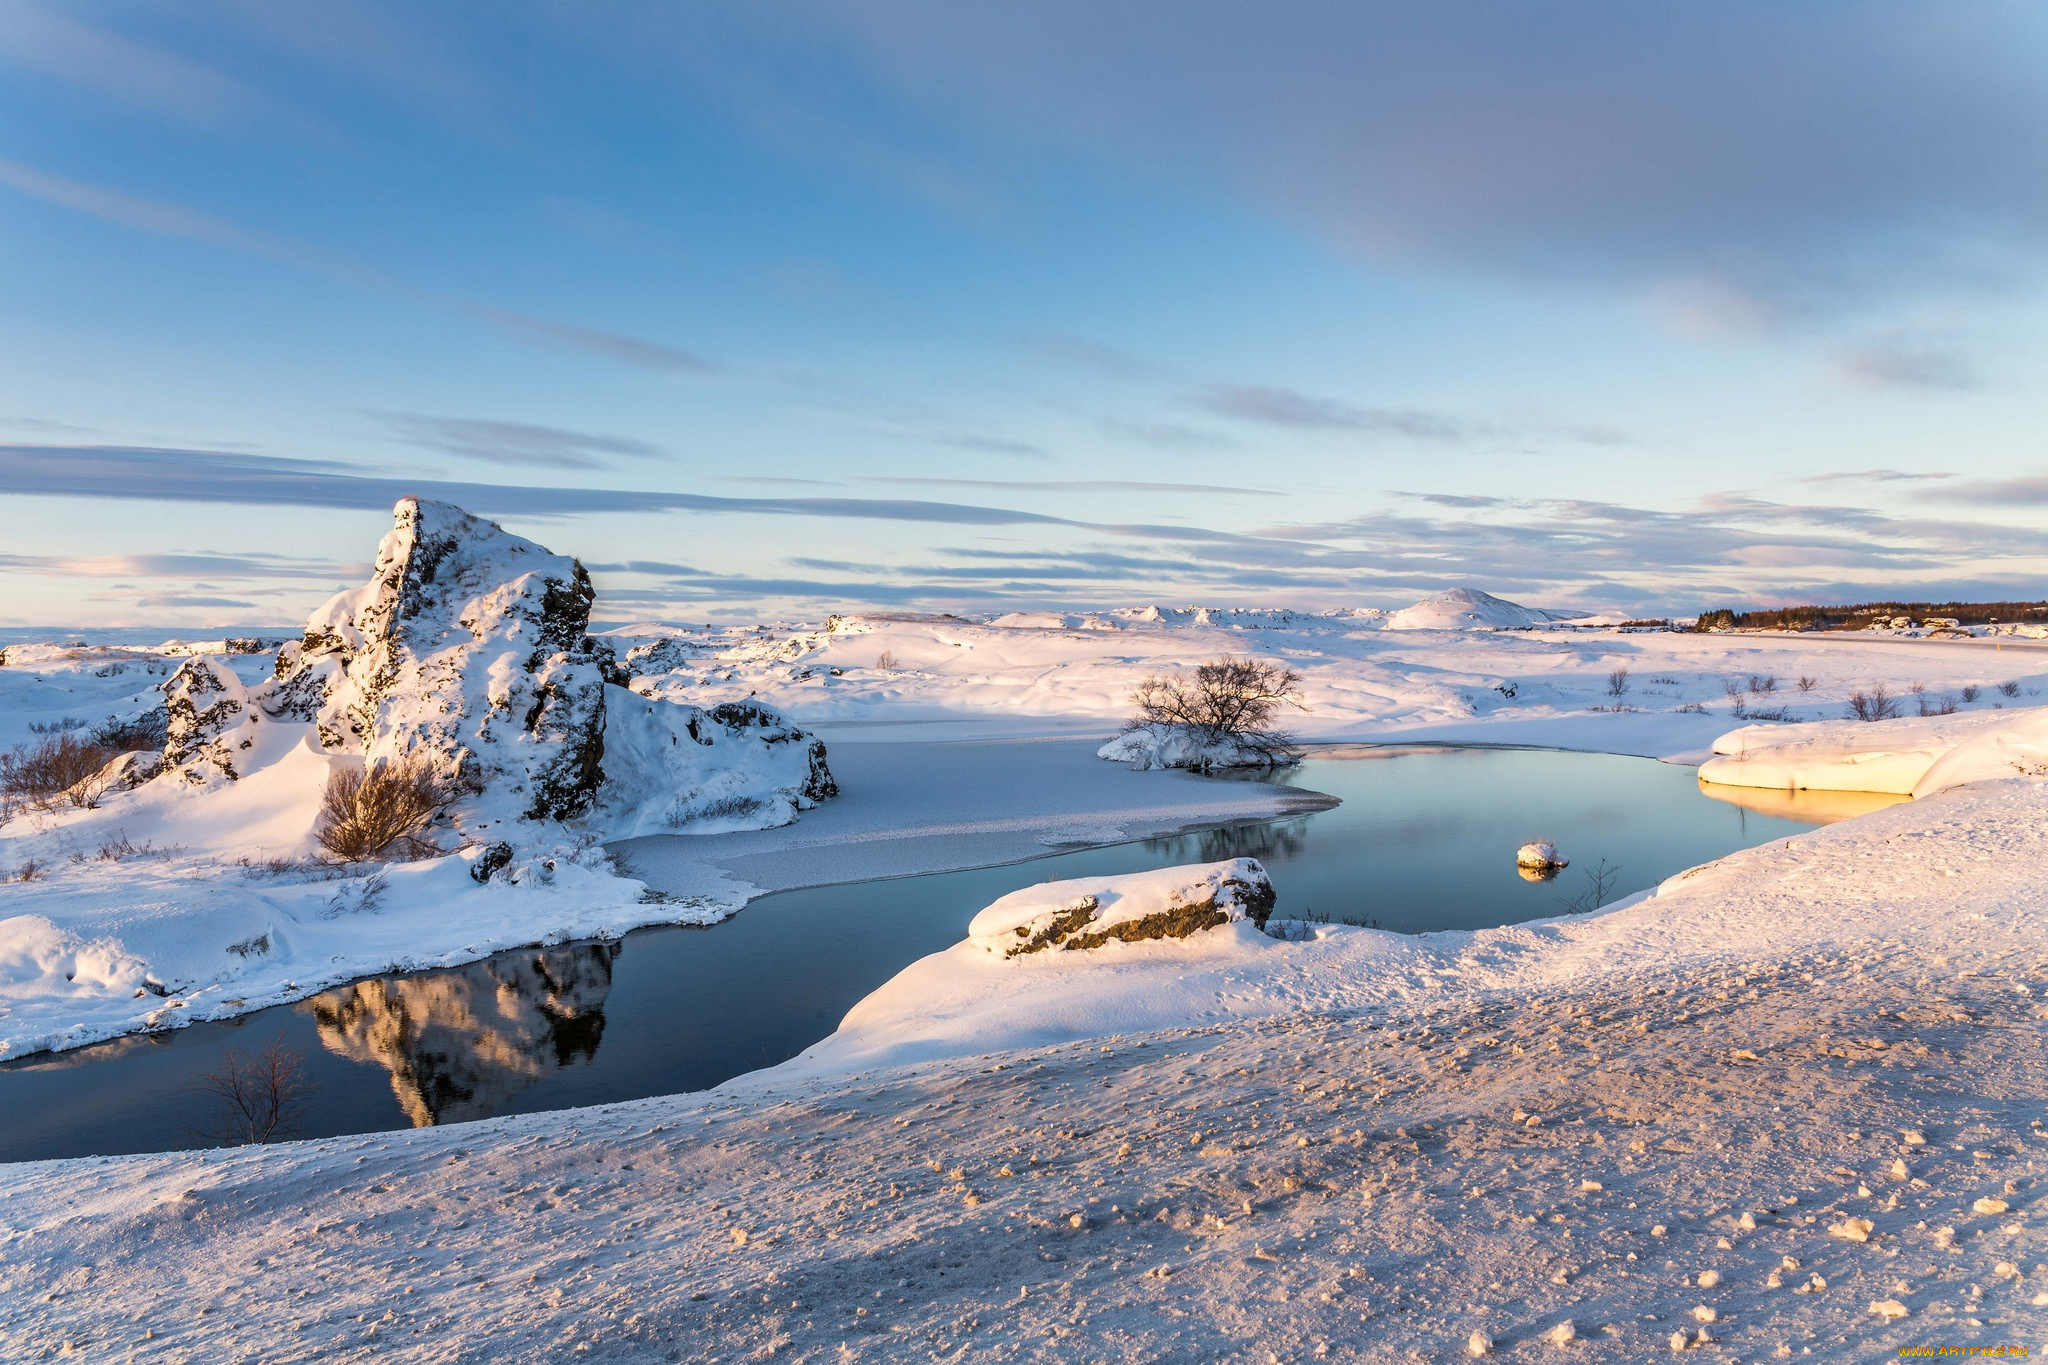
<point x="1467" y="609"/>
<point x="739" y="765"/>
<point x="210" y="721"/>
<point x="1088" y="912"/>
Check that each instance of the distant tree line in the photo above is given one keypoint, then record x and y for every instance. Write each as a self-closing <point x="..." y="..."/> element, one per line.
<point x="1863" y="614"/>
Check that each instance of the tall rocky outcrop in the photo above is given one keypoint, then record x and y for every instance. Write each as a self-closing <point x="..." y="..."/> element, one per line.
<point x="469" y="647"/>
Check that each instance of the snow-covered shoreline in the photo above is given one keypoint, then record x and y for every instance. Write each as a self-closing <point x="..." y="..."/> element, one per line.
<point x="1610" y="1122"/>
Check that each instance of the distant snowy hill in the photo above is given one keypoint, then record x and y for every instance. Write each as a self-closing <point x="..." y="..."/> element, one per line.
<point x="1469" y="609"/>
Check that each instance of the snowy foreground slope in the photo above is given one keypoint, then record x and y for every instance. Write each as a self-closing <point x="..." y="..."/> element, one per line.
<point x="1789" y="1105"/>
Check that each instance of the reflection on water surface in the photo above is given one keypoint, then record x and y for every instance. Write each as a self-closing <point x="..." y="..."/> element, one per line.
<point x="461" y="1044"/>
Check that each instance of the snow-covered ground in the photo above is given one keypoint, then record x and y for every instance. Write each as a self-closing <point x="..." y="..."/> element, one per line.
<point x="1788" y="1106"/>
<point x="1040" y="673"/>
<point x="1571" y="1138"/>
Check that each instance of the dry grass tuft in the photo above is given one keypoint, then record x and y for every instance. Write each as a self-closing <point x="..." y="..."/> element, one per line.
<point x="381" y="811"/>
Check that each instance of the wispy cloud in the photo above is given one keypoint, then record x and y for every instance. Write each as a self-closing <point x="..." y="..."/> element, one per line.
<point x="1085" y="353"/>
<point x="1806" y="156"/>
<point x="517" y="443"/>
<point x="119" y="68"/>
<point x="176" y="220"/>
<point x="1076" y="485"/>
<point x="1907" y="362"/>
<point x="1275" y="406"/>
<point x="215" y="476"/>
<point x="1876" y="476"/>
<point x="2027" y="491"/>
<point x="184" y="566"/>
<point x="627" y="350"/>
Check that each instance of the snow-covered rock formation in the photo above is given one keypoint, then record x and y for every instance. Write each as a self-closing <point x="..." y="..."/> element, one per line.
<point x="1088" y="912"/>
<point x="469" y="648"/>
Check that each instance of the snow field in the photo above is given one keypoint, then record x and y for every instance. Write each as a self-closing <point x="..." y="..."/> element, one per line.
<point x="1016" y="676"/>
<point x="1792" y="1102"/>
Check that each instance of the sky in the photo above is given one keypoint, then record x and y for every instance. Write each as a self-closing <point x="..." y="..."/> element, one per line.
<point x="775" y="310"/>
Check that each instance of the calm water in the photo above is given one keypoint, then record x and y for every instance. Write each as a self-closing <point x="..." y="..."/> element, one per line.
<point x="1425" y="840"/>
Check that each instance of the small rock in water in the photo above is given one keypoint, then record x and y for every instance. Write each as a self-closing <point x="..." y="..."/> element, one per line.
<point x="1539" y="853"/>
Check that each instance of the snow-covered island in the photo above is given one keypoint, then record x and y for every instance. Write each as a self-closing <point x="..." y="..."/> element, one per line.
<point x="1786" y="1104"/>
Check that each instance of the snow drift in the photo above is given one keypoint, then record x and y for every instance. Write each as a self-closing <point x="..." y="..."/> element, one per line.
<point x="1913" y="755"/>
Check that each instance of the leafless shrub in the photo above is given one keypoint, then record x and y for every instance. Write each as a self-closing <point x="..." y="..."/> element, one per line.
<point x="261" y="1093"/>
<point x="381" y="811"/>
<point x="1762" y="682"/>
<point x="886" y="660"/>
<point x="121" y="847"/>
<point x="1617" y="682"/>
<point x="1971" y="692"/>
<point x="2009" y="689"/>
<point x="1225" y="700"/>
<point x="123" y="733"/>
<point x="60" y="768"/>
<point x="1807" y="684"/>
<point x="30" y="871"/>
<point x="1876" y="704"/>
<point x="1917" y="688"/>
<point x="1693" y="708"/>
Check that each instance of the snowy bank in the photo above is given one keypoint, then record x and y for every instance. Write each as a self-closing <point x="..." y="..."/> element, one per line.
<point x="1775" y="899"/>
<point x="1786" y="1107"/>
<point x="1908" y="756"/>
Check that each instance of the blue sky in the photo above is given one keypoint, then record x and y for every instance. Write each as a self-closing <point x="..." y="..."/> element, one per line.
<point x="783" y="309"/>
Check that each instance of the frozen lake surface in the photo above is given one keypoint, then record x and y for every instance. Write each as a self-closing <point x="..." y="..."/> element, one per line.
<point x="1424" y="840"/>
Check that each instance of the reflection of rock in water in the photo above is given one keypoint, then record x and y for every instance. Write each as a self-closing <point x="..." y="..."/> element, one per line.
<point x="460" y="1044"/>
<point x="1282" y="839"/>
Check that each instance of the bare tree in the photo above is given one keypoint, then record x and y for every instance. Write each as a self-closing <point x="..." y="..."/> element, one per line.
<point x="381" y="810"/>
<point x="261" y="1093"/>
<point x="1227" y="701"/>
<point x="1807" y="684"/>
<point x="1617" y="682"/>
